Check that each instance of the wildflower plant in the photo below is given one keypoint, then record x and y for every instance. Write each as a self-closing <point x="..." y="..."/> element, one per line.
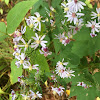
<point x="58" y="42"/>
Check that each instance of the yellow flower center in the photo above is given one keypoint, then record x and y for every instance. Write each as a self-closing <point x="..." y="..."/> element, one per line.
<point x="77" y="23"/>
<point x="98" y="15"/>
<point x="26" y="45"/>
<point x="59" y="70"/>
<point x="25" y="97"/>
<point x="60" y="63"/>
<point x="39" y="19"/>
<point x="47" y="20"/>
<point x="31" y="25"/>
<point x="15" y="46"/>
<point x="54" y="92"/>
<point x="35" y="96"/>
<point x="21" y="61"/>
<point x="18" y="34"/>
<point x="66" y="9"/>
<point x="97" y="98"/>
<point x="30" y="67"/>
<point x="61" y="39"/>
<point x="68" y="92"/>
<point x="17" y="54"/>
<point x="38" y="41"/>
<point x="51" y="14"/>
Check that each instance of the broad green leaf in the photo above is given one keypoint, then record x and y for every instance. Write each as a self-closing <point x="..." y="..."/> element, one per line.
<point x="2" y="31"/>
<point x="97" y="77"/>
<point x="82" y="93"/>
<point x="97" y="43"/>
<point x="37" y="58"/>
<point x="80" y="48"/>
<point x="83" y="34"/>
<point x="15" y="72"/>
<point x="17" y="13"/>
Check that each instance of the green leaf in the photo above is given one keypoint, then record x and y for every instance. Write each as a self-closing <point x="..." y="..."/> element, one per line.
<point x="2" y="31"/>
<point x="7" y="2"/>
<point x="80" y="48"/>
<point x="57" y="45"/>
<point x="97" y="43"/>
<point x="1" y="92"/>
<point x="1" y="11"/>
<point x="17" y="13"/>
<point x="37" y="58"/>
<point x="82" y="93"/>
<point x="15" y="72"/>
<point x="97" y="77"/>
<point x="29" y="33"/>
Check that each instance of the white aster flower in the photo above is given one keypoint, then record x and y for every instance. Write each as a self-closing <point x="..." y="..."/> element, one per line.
<point x="65" y="6"/>
<point x="17" y="53"/>
<point x="93" y="35"/>
<point x="18" y="34"/>
<point x="60" y="36"/>
<point x="30" y="67"/>
<point x="38" y="40"/>
<point x="81" y="84"/>
<point x="21" y="60"/>
<point x="60" y="90"/>
<point x="29" y="22"/>
<point x="61" y="71"/>
<point x="54" y="90"/>
<point x="77" y="26"/>
<point x="97" y="14"/>
<point x="35" y="95"/>
<point x="45" y="51"/>
<point x="25" y="97"/>
<point x="26" y="45"/>
<point x="13" y="95"/>
<point x="69" y="73"/>
<point x="76" y="5"/>
<point x="95" y="27"/>
<point x="37" y="21"/>
<point x="60" y="64"/>
<point x="73" y="16"/>
<point x="66" y="41"/>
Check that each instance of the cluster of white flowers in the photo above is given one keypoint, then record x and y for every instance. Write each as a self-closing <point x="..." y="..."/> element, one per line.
<point x="93" y="24"/>
<point x="83" y="85"/>
<point x="21" y="46"/>
<point x="32" y="95"/>
<point x="62" y="71"/>
<point x="72" y="10"/>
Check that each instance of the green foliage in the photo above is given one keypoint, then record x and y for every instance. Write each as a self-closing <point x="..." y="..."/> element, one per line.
<point x="2" y="31"/>
<point x="37" y="58"/>
<point x="15" y="72"/>
<point x="19" y="9"/>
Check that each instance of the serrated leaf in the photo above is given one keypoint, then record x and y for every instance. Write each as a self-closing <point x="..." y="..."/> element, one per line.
<point x="17" y="13"/>
<point x="2" y="31"/>
<point x="15" y="72"/>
